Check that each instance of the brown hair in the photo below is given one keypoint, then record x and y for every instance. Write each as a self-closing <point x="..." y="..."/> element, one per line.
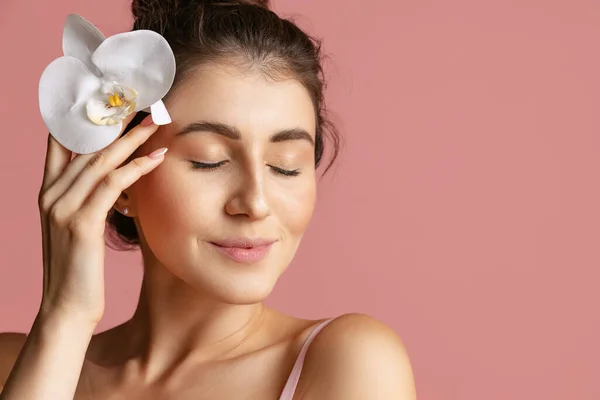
<point x="242" y="33"/>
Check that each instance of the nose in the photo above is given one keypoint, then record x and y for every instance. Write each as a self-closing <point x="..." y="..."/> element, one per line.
<point x="249" y="197"/>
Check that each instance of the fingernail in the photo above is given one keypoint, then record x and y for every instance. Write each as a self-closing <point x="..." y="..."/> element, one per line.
<point x="158" y="153"/>
<point x="147" y="121"/>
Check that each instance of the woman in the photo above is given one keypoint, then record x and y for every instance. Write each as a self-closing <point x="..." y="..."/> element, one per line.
<point x="218" y="219"/>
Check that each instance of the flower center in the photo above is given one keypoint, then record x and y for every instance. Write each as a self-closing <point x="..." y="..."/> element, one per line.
<point x="112" y="104"/>
<point x="115" y="100"/>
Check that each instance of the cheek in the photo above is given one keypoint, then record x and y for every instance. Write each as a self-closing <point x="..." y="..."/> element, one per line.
<point x="294" y="204"/>
<point x="173" y="204"/>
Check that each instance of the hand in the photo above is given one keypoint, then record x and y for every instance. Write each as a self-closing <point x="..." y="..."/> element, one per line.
<point x="74" y="201"/>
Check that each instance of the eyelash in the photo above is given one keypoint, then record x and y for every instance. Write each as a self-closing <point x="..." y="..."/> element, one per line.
<point x="199" y="165"/>
<point x="211" y="166"/>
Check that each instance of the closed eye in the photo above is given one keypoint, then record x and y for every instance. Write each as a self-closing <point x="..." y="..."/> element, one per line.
<point x="210" y="166"/>
<point x="286" y="172"/>
<point x="201" y="165"/>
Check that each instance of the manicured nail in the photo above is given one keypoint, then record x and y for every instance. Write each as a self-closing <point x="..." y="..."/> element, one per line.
<point x="147" y="121"/>
<point x="156" y="154"/>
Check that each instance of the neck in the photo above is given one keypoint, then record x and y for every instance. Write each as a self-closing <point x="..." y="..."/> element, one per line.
<point x="174" y="323"/>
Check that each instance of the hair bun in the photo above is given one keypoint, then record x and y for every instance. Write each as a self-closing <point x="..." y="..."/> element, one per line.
<point x="159" y="15"/>
<point x="261" y="3"/>
<point x="143" y="9"/>
<point x="151" y="14"/>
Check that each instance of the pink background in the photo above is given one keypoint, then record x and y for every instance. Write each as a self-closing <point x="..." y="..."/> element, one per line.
<point x="464" y="211"/>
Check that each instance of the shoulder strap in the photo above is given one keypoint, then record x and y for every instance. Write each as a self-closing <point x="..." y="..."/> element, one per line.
<point x="292" y="382"/>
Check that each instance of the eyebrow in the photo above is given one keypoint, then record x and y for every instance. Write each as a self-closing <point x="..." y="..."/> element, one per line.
<point x="232" y="132"/>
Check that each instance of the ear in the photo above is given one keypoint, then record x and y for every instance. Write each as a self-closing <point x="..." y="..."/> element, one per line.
<point x="123" y="205"/>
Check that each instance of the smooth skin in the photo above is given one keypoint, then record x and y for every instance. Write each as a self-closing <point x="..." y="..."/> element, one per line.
<point x="201" y="329"/>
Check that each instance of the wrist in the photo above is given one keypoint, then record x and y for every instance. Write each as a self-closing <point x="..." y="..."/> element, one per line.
<point x="56" y="321"/>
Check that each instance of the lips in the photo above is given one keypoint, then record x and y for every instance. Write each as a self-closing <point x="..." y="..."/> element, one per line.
<point x="243" y="242"/>
<point x="244" y="250"/>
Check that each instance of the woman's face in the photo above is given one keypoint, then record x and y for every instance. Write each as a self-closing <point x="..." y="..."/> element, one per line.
<point x="240" y="165"/>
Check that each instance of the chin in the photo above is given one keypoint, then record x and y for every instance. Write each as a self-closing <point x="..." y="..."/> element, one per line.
<point x="245" y="299"/>
<point x="243" y="291"/>
<point x="232" y="284"/>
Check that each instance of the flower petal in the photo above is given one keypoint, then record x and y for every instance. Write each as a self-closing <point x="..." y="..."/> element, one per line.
<point x="141" y="60"/>
<point x="80" y="40"/>
<point x="65" y="88"/>
<point x="130" y="94"/>
<point x="160" y="115"/>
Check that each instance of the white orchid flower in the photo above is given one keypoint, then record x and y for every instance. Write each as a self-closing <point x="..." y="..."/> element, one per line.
<point x="85" y="95"/>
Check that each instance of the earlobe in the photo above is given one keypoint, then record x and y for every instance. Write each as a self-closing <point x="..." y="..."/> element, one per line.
<point x="122" y="206"/>
<point x="124" y="210"/>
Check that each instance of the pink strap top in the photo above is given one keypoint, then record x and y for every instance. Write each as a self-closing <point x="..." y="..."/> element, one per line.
<point x="292" y="382"/>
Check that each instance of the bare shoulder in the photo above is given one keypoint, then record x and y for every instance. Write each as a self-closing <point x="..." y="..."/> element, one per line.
<point x="11" y="344"/>
<point x="357" y="357"/>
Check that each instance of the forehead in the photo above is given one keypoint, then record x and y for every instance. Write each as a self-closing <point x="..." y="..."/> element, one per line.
<point x="246" y="100"/>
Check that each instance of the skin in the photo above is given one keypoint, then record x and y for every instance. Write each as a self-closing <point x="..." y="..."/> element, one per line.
<point x="201" y="329"/>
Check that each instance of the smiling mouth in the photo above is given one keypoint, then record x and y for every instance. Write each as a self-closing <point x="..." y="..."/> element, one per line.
<point x="244" y="249"/>
<point x="244" y="253"/>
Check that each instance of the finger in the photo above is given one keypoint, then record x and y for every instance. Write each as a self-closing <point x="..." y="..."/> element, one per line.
<point x="57" y="158"/>
<point x="45" y="249"/>
<point x="102" y="164"/>
<point x="74" y="168"/>
<point x="108" y="191"/>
